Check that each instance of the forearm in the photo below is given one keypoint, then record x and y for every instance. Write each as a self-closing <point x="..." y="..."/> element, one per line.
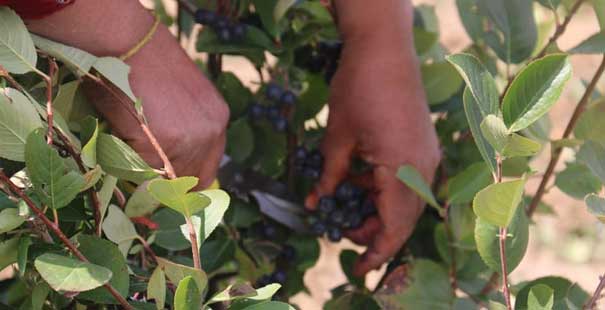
<point x="107" y="27"/>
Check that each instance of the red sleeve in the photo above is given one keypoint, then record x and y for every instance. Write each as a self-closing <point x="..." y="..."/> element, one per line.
<point x="33" y="9"/>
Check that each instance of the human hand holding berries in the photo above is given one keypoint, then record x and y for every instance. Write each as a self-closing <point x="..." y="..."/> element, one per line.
<point x="378" y="112"/>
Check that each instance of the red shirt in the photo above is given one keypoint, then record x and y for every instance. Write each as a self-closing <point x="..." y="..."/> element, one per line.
<point x="36" y="8"/>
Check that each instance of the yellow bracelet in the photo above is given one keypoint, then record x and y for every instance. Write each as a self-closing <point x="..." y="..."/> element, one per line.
<point x="148" y="36"/>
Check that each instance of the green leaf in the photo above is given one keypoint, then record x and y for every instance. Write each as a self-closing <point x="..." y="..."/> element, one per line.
<point x="216" y="253"/>
<point x="513" y="33"/>
<point x="415" y="181"/>
<point x="577" y="181"/>
<point x="566" y="295"/>
<point x="176" y="272"/>
<point x="39" y="294"/>
<point x="10" y="219"/>
<point x="313" y="99"/>
<point x="18" y="118"/>
<point x="119" y="229"/>
<point x="487" y="240"/>
<point x="347" y="261"/>
<point x="187" y="295"/>
<point x="266" y="11"/>
<point x="520" y="146"/>
<point x="105" y="254"/>
<point x="495" y="132"/>
<point x="595" y="44"/>
<point x="440" y="80"/>
<point x="234" y="292"/>
<point x="551" y="4"/>
<point x="479" y="81"/>
<point x="593" y="155"/>
<point x="17" y="50"/>
<point x="206" y="221"/>
<point x="424" y="40"/>
<point x="90" y="134"/>
<point x="540" y="297"/>
<point x="54" y="184"/>
<point x="168" y="235"/>
<point x="235" y="93"/>
<point x="429" y="288"/>
<point x="118" y="159"/>
<point x="66" y="274"/>
<point x="156" y="288"/>
<point x="141" y="203"/>
<point x="270" y="305"/>
<point x="78" y="61"/>
<point x="534" y="90"/>
<point x="590" y="125"/>
<point x="24" y="243"/>
<point x="8" y="251"/>
<point x="474" y="118"/>
<point x="497" y="203"/>
<point x="116" y="72"/>
<point x="596" y="206"/>
<point x="240" y="140"/>
<point x="175" y="195"/>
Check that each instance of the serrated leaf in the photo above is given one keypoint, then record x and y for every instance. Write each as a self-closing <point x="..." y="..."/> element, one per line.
<point x="66" y="274"/>
<point x="497" y="203"/>
<point x="116" y="72"/>
<point x="78" y="61"/>
<point x="55" y="185"/>
<point x="104" y="253"/>
<point x="415" y="181"/>
<point x="487" y="241"/>
<point x="156" y="288"/>
<point x="175" y="195"/>
<point x="479" y="82"/>
<point x="576" y="180"/>
<point x="119" y="229"/>
<point x="593" y="155"/>
<point x="566" y="295"/>
<point x="17" y="50"/>
<point x="534" y="90"/>
<point x="18" y="118"/>
<point x="176" y="272"/>
<point x="440" y="80"/>
<point x="10" y="219"/>
<point x="540" y="297"/>
<point x="208" y="219"/>
<point x="474" y="118"/>
<point x="187" y="295"/>
<point x="596" y="206"/>
<point x="118" y="159"/>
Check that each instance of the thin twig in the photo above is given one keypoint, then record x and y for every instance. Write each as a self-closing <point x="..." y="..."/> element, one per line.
<point x="502" y="238"/>
<point x="560" y="28"/>
<point x="556" y="154"/>
<point x="57" y="231"/>
<point x="592" y="303"/>
<point x="10" y="79"/>
<point x="94" y="197"/>
<point x="193" y="239"/>
<point x="49" y="98"/>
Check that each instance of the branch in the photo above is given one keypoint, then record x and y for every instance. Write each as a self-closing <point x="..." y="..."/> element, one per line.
<point x="49" y="98"/>
<point x="502" y="238"/>
<point x="560" y="28"/>
<point x="556" y="154"/>
<point x="597" y="294"/>
<point x="193" y="239"/>
<point x="57" y="231"/>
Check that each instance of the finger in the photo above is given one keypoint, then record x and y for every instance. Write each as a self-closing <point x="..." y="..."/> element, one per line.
<point x="366" y="233"/>
<point x="398" y="208"/>
<point x="337" y="158"/>
<point x="364" y="180"/>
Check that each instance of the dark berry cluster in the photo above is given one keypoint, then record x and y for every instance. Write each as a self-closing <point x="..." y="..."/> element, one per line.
<point x="308" y="163"/>
<point x="225" y="29"/>
<point x="279" y="275"/>
<point x="321" y="58"/>
<point x="281" y="100"/>
<point x="347" y="209"/>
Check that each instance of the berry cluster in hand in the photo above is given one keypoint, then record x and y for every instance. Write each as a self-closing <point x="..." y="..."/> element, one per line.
<point x="308" y="163"/>
<point x="321" y="58"/>
<point x="279" y="275"/>
<point x="347" y="209"/>
<point x="225" y="29"/>
<point x="281" y="100"/>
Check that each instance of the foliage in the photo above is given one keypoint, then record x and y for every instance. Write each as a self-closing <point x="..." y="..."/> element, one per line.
<point x="85" y="220"/>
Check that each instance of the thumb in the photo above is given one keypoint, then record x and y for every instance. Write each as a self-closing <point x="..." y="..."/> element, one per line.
<point x="337" y="153"/>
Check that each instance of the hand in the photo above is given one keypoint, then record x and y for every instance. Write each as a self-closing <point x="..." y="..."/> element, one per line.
<point x="183" y="109"/>
<point x="378" y="112"/>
